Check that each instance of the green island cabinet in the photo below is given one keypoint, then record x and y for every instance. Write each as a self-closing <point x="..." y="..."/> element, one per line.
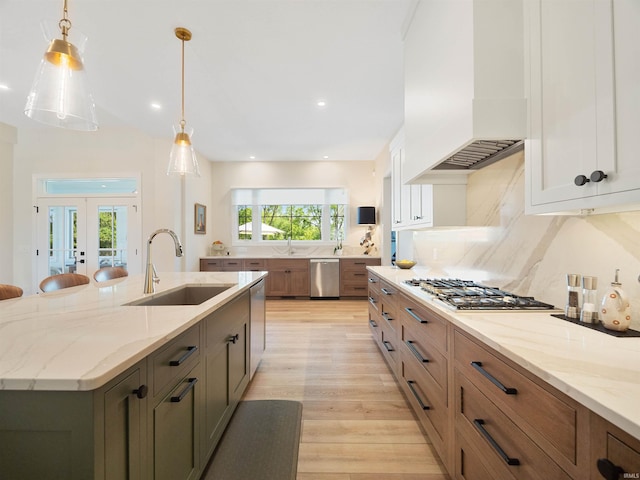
<point x="159" y="419"/>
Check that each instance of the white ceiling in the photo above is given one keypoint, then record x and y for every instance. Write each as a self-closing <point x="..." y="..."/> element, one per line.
<point x="254" y="71"/>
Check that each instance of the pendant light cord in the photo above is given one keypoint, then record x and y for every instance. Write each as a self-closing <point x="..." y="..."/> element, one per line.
<point x="64" y="23"/>
<point x="182" y="122"/>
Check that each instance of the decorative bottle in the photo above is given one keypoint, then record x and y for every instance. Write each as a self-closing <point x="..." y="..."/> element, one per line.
<point x="615" y="309"/>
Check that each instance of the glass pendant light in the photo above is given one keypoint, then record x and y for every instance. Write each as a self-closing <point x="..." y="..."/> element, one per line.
<point x="59" y="95"/>
<point x="183" y="159"/>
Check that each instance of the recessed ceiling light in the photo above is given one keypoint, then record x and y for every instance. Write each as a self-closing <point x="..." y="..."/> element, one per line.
<point x="321" y="103"/>
<point x="4" y="87"/>
<point x="252" y="157"/>
<point x="156" y="106"/>
<point x="325" y="156"/>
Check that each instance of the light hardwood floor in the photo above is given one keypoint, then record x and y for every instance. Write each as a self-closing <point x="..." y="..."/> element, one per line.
<point x="356" y="424"/>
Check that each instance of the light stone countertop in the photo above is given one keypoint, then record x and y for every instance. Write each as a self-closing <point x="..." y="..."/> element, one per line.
<point x="79" y="338"/>
<point x="600" y="371"/>
<point x="284" y="256"/>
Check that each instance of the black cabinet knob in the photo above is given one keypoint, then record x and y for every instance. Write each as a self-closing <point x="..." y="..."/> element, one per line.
<point x="598" y="176"/>
<point x="581" y="180"/>
<point x="608" y="469"/>
<point x="141" y="391"/>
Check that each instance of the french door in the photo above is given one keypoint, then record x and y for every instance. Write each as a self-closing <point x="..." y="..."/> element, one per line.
<point x="83" y="234"/>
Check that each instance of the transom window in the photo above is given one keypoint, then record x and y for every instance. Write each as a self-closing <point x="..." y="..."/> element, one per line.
<point x="302" y="215"/>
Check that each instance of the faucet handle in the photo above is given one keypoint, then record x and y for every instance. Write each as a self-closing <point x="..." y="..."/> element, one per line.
<point x="155" y="277"/>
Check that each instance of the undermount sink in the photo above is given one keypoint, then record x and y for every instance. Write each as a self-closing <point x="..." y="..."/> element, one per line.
<point x="186" y="295"/>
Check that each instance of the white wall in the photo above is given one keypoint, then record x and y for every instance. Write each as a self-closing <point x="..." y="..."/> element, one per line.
<point x="166" y="201"/>
<point x="8" y="136"/>
<point x="357" y="177"/>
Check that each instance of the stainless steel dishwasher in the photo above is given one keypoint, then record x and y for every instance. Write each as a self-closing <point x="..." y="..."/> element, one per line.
<point x="325" y="277"/>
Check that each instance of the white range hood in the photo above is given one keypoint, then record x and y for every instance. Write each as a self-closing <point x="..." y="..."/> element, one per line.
<point x="464" y="87"/>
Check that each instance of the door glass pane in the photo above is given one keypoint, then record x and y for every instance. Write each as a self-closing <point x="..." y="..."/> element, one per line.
<point x="63" y="239"/>
<point x="112" y="236"/>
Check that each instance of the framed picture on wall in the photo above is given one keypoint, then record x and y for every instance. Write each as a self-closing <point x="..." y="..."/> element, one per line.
<point x="200" y="222"/>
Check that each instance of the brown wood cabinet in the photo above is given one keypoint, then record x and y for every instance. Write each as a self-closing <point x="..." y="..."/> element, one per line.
<point x="424" y="370"/>
<point x="486" y="416"/>
<point x="353" y="276"/>
<point x="288" y="277"/>
<point x="613" y="451"/>
<point x="211" y="264"/>
<point x="374" y="311"/>
<point x="389" y="323"/>
<point x="222" y="264"/>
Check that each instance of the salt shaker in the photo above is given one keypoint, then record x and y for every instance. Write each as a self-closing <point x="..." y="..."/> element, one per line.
<point x="572" y="308"/>
<point x="589" y="312"/>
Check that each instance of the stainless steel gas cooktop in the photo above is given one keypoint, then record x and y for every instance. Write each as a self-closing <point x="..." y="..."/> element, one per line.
<point x="468" y="295"/>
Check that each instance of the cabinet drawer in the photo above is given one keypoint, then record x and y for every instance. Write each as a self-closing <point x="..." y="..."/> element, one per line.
<point x="255" y="264"/>
<point x="502" y="445"/>
<point x="424" y="324"/>
<point x="358" y="263"/>
<point x="542" y="414"/>
<point x="232" y="264"/>
<point x="282" y="264"/>
<point x="353" y="290"/>
<point x="468" y="463"/>
<point x="175" y="358"/>
<point x="425" y="398"/>
<point x="210" y="265"/>
<point x="389" y="344"/>
<point x="387" y="305"/>
<point x="425" y="357"/>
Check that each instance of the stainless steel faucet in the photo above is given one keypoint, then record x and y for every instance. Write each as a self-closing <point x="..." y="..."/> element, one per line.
<point x="151" y="277"/>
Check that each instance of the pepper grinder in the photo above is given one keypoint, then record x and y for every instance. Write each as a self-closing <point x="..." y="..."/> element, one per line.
<point x="589" y="313"/>
<point x="572" y="308"/>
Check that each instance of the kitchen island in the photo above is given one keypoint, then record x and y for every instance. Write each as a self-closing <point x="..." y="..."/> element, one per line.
<point x="95" y="385"/>
<point x="577" y="391"/>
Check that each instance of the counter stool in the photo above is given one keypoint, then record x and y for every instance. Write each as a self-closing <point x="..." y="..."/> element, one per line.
<point x="9" y="291"/>
<point x="63" y="280"/>
<point x="109" y="273"/>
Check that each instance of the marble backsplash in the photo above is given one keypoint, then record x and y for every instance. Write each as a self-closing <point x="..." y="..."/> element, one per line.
<point x="531" y="254"/>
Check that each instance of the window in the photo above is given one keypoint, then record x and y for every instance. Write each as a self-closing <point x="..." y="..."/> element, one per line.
<point x="303" y="215"/>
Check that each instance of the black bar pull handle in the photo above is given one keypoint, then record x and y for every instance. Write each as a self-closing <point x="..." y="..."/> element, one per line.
<point x="479" y="423"/>
<point x="415" y="394"/>
<point x="373" y="323"/>
<point x="386" y="316"/>
<point x="372" y="280"/>
<point x="410" y="312"/>
<point x="388" y="346"/>
<point x="372" y="300"/>
<point x="234" y="338"/>
<point x="492" y="379"/>
<point x="415" y="351"/>
<point x="190" y="351"/>
<point x="187" y="389"/>
<point x="385" y="291"/>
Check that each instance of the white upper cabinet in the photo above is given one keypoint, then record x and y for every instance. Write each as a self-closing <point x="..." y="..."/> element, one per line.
<point x="400" y="193"/>
<point x="463" y="66"/>
<point x="421" y="205"/>
<point x="583" y="78"/>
